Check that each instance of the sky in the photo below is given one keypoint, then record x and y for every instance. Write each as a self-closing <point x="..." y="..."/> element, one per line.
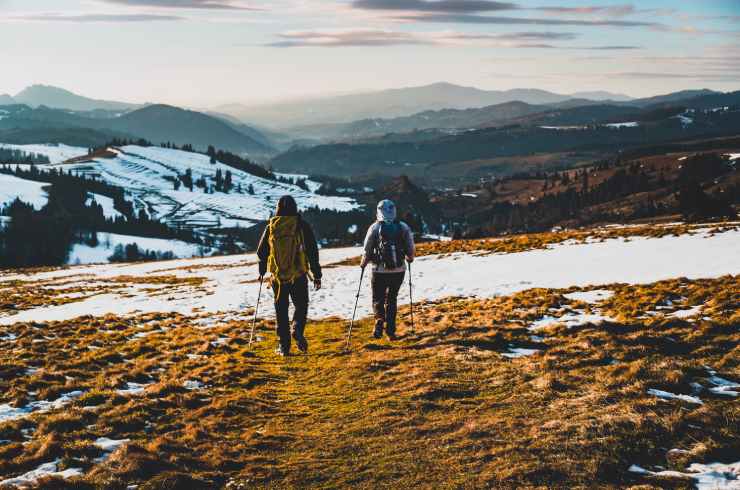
<point x="204" y="53"/>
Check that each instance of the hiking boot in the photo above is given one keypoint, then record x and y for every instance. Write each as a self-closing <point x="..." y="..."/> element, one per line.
<point x="282" y="352"/>
<point x="302" y="344"/>
<point x="378" y="332"/>
<point x="391" y="334"/>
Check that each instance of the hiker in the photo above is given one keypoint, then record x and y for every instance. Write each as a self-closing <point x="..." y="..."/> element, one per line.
<point x="288" y="250"/>
<point x="387" y="243"/>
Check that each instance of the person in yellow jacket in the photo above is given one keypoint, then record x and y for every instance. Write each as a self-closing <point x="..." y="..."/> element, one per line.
<point x="289" y="252"/>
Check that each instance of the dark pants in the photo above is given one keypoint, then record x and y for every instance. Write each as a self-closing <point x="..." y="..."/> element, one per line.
<point x="298" y="292"/>
<point x="385" y="297"/>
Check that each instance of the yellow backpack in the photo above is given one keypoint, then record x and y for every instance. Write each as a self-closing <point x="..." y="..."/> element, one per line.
<point x="287" y="261"/>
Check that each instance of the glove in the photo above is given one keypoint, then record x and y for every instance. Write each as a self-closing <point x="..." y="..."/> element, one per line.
<point x="409" y="259"/>
<point x="317" y="284"/>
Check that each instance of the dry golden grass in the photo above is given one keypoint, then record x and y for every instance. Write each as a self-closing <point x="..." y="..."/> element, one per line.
<point x="440" y="408"/>
<point x="24" y="295"/>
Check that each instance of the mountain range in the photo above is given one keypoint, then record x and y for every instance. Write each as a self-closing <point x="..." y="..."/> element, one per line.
<point x="157" y="123"/>
<point x="513" y="133"/>
<point x="391" y="103"/>
<point x="49" y="114"/>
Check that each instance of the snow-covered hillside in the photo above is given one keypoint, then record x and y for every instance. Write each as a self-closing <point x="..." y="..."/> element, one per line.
<point x="148" y="174"/>
<point x="107" y="242"/>
<point x="230" y="283"/>
<point x="109" y="208"/>
<point x="57" y="153"/>
<point x="31" y="192"/>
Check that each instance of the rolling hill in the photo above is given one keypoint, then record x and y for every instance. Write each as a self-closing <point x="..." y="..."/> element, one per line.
<point x="58" y="98"/>
<point x="160" y="123"/>
<point x="585" y="129"/>
<point x="148" y="175"/>
<point x="156" y="123"/>
<point x="441" y="119"/>
<point x="570" y="111"/>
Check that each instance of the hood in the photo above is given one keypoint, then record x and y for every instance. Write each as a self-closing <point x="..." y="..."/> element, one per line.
<point x="386" y="211"/>
<point x="286" y="206"/>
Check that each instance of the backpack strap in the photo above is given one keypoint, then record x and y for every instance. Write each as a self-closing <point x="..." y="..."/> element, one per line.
<point x="302" y="246"/>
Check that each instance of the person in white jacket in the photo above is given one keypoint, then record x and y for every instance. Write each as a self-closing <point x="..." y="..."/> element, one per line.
<point x="389" y="243"/>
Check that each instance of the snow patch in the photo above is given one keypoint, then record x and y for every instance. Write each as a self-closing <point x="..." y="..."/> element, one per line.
<point x="57" y="153"/>
<point x="685" y="121"/>
<point x="672" y="396"/>
<point x="110" y="445"/>
<point x="192" y="385"/>
<point x="44" y="471"/>
<point x="571" y="319"/>
<point x="8" y="412"/>
<point x="84" y="254"/>
<point x="594" y="296"/>
<point x="723" y="386"/>
<point x="109" y="208"/>
<point x="631" y="124"/>
<point x="516" y="352"/>
<point x="707" y="476"/>
<point x="28" y="191"/>
<point x="133" y="389"/>
<point x="691" y="312"/>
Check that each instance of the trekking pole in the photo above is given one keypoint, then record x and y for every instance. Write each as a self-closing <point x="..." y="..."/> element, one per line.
<point x="354" y="312"/>
<point x="256" y="309"/>
<point x="411" y="299"/>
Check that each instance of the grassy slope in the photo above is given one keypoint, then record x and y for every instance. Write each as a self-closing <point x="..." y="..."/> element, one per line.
<point x="439" y="409"/>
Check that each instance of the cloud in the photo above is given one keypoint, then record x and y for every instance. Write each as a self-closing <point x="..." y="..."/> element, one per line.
<point x="517" y="36"/>
<point x="184" y="4"/>
<point x="334" y="38"/>
<point x="344" y="38"/>
<point x="612" y="10"/>
<point x="611" y="48"/>
<point x="483" y="19"/>
<point x="52" y="17"/>
<point x="640" y="75"/>
<point x="446" y="6"/>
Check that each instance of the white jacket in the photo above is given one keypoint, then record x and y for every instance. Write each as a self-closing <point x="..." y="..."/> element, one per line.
<point x="371" y="241"/>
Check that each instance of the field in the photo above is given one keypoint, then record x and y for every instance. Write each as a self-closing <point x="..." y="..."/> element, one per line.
<point x="609" y="359"/>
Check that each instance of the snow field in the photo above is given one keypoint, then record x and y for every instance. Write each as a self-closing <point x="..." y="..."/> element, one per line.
<point x="231" y="282"/>
<point x="85" y="254"/>
<point x="57" y="153"/>
<point x="147" y="174"/>
<point x="12" y="187"/>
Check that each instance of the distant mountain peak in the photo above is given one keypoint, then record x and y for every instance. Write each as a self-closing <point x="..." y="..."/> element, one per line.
<point x="59" y="98"/>
<point x="38" y="87"/>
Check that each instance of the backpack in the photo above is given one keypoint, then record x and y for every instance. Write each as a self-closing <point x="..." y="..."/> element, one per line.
<point x="287" y="260"/>
<point x="390" y="249"/>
